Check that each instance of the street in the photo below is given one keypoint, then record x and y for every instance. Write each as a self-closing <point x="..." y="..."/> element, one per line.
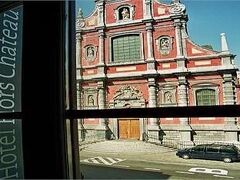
<point x="150" y="170"/>
<point x="139" y="160"/>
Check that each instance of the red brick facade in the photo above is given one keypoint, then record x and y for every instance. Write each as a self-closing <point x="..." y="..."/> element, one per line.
<point x="171" y="71"/>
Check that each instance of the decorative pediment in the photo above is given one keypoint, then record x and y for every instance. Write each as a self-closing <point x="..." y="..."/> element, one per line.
<point x="127" y="93"/>
<point x="127" y="96"/>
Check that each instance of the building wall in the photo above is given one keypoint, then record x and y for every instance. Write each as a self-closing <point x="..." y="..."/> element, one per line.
<point x="169" y="72"/>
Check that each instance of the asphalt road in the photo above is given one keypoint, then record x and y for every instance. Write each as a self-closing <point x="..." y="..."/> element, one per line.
<point x="138" y="160"/>
<point x="116" y="168"/>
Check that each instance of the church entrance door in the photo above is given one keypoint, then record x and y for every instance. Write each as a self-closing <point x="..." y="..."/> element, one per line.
<point x="129" y="129"/>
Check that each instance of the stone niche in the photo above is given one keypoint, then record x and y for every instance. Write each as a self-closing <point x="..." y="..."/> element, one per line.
<point x="167" y="96"/>
<point x="90" y="100"/>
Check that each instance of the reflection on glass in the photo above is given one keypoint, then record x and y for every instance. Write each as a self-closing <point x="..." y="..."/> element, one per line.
<point x="11" y="155"/>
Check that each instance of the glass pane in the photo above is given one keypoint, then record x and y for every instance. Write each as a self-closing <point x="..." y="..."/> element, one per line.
<point x="181" y="74"/>
<point x="158" y="148"/>
<point x="11" y="153"/>
<point x="126" y="48"/>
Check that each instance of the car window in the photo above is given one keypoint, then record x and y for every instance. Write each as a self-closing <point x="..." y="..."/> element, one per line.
<point x="227" y="150"/>
<point x="198" y="148"/>
<point x="212" y="149"/>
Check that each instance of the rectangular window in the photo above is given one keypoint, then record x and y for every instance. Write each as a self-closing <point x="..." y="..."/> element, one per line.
<point x="126" y="48"/>
<point x="206" y="97"/>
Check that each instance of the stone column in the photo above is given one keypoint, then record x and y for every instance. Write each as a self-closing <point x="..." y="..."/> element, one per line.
<point x="78" y="50"/>
<point x="100" y="7"/>
<point x="149" y="29"/>
<point x="230" y="126"/>
<point x="79" y="106"/>
<point x="184" y="128"/>
<point x="101" y="128"/>
<point x="182" y="97"/>
<point x="178" y="35"/>
<point x="184" y="36"/>
<point x="153" y="126"/>
<point x="101" y="61"/>
<point x="151" y="69"/>
<point x="147" y="9"/>
<point x="101" y="100"/>
<point x="78" y="56"/>
<point x="179" y="45"/>
<point x="79" y="89"/>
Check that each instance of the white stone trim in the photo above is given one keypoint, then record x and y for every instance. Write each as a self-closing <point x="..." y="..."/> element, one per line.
<point x="202" y="63"/>
<point x="90" y="72"/>
<point x="124" y="23"/>
<point x="129" y="68"/>
<point x="166" y="65"/>
<point x="162" y="72"/>
<point x="206" y="118"/>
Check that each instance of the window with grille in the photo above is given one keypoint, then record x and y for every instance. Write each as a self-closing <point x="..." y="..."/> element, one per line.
<point x="206" y="97"/>
<point x="126" y="48"/>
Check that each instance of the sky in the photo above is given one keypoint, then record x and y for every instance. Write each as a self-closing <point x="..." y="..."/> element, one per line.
<point x="207" y="20"/>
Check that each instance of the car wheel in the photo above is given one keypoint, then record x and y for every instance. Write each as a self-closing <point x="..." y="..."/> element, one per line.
<point x="227" y="160"/>
<point x="185" y="156"/>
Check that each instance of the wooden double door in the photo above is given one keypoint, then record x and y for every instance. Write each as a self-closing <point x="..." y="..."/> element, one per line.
<point x="129" y="129"/>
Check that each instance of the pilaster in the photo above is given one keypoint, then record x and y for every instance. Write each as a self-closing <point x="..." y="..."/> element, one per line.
<point x="151" y="63"/>
<point x="182" y="91"/>
<point x="101" y="105"/>
<point x="78" y="55"/>
<point x="149" y="29"/>
<point x="178" y="35"/>
<point x="101" y="61"/>
<point x="147" y="9"/>
<point x="78" y="49"/>
<point x="184" y="128"/>
<point x="230" y="124"/>
<point x="184" y="36"/>
<point x="152" y="90"/>
<point x="100" y="7"/>
<point x="228" y="89"/>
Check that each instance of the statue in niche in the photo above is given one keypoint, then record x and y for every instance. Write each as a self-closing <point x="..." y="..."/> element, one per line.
<point x="90" y="52"/>
<point x="168" y="97"/>
<point x="90" y="100"/>
<point x="125" y="13"/>
<point x="164" y="43"/>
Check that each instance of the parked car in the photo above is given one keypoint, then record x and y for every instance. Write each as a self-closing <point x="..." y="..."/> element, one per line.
<point x="226" y="153"/>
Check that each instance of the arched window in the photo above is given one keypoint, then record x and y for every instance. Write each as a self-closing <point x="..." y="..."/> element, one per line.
<point x="205" y="97"/>
<point x="126" y="48"/>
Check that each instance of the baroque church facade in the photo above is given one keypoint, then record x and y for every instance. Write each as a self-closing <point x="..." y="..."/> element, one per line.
<point x="137" y="53"/>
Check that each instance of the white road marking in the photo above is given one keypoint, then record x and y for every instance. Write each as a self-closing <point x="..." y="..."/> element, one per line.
<point x="182" y="172"/>
<point x="103" y="160"/>
<point x="155" y="169"/>
<point x="121" y="165"/>
<point x="94" y="161"/>
<point x="229" y="177"/>
<point x="209" y="171"/>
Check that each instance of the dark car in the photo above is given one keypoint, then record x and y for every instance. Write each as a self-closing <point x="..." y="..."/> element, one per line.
<point x="226" y="153"/>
